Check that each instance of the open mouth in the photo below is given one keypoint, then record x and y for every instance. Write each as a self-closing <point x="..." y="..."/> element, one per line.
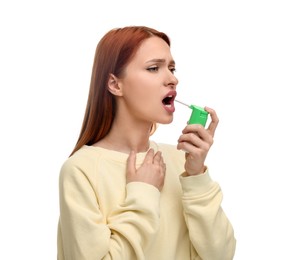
<point x="168" y="100"/>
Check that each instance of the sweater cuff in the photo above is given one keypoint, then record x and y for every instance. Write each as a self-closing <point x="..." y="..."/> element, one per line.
<point x="197" y="184"/>
<point x="144" y="195"/>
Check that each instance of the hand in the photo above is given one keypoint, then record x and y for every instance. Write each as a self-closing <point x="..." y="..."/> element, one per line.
<point x="197" y="141"/>
<point x="152" y="170"/>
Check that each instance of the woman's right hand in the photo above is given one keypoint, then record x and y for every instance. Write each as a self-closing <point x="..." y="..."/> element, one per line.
<point x="151" y="171"/>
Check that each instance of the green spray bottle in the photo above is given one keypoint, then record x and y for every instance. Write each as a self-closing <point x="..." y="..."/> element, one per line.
<point x="199" y="115"/>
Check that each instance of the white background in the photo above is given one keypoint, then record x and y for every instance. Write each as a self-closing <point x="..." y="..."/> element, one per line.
<point x="228" y="56"/>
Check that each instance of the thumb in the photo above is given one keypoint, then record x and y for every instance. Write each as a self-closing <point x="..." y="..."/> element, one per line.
<point x="131" y="162"/>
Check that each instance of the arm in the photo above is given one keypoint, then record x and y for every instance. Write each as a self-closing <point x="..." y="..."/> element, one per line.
<point x="86" y="234"/>
<point x="210" y="231"/>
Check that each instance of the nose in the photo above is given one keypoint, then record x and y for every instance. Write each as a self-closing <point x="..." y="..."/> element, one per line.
<point x="171" y="80"/>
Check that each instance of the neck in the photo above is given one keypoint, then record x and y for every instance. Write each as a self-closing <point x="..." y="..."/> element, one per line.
<point x="126" y="137"/>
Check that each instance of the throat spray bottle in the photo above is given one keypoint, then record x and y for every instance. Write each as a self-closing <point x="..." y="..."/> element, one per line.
<point x="198" y="116"/>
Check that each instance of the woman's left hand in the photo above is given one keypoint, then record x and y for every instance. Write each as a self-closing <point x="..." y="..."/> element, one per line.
<point x="196" y="141"/>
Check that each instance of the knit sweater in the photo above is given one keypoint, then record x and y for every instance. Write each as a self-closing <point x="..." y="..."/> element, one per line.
<point x="103" y="217"/>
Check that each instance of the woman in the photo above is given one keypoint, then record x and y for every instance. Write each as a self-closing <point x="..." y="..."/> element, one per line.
<point x="123" y="196"/>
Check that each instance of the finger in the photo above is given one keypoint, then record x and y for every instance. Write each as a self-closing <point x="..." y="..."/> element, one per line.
<point x="214" y="120"/>
<point x="195" y="138"/>
<point x="187" y="147"/>
<point x="149" y="156"/>
<point x="163" y="165"/>
<point x="191" y="140"/>
<point x="131" y="162"/>
<point x="162" y="160"/>
<point x="195" y="128"/>
<point x="157" y="157"/>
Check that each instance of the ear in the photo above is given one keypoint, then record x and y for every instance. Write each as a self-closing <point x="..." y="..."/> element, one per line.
<point x="114" y="86"/>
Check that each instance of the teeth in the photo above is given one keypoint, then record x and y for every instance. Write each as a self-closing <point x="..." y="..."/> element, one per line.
<point x="168" y="101"/>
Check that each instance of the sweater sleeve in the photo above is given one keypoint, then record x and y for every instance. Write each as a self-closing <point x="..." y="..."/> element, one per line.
<point x="84" y="233"/>
<point x="210" y="231"/>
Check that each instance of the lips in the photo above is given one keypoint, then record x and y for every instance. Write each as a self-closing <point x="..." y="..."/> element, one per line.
<point x="168" y="101"/>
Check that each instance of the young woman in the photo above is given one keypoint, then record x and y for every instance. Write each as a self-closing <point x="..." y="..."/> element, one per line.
<point x="123" y="196"/>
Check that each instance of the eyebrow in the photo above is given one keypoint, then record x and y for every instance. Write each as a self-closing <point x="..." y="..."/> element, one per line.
<point x="161" y="61"/>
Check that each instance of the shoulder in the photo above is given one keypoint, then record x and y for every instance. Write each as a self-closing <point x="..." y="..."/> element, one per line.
<point x="82" y="161"/>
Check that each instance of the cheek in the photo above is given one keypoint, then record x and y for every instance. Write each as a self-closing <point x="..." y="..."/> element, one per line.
<point x="142" y="90"/>
<point x="139" y="87"/>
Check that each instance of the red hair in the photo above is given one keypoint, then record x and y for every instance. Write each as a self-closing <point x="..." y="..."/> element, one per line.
<point x="113" y="53"/>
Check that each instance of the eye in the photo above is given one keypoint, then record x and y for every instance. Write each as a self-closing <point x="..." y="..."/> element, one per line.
<point x="153" y="69"/>
<point x="172" y="69"/>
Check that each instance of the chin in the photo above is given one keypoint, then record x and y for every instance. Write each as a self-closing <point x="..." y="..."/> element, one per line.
<point x="166" y="121"/>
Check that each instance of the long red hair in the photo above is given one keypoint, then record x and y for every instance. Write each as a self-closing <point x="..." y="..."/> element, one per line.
<point x="113" y="53"/>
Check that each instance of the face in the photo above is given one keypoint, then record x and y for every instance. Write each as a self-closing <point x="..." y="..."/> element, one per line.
<point x="149" y="84"/>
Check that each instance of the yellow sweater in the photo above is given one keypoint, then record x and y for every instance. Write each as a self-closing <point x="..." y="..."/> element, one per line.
<point x="102" y="217"/>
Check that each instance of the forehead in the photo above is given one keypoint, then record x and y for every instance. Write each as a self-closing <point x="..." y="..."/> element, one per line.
<point x="153" y="48"/>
